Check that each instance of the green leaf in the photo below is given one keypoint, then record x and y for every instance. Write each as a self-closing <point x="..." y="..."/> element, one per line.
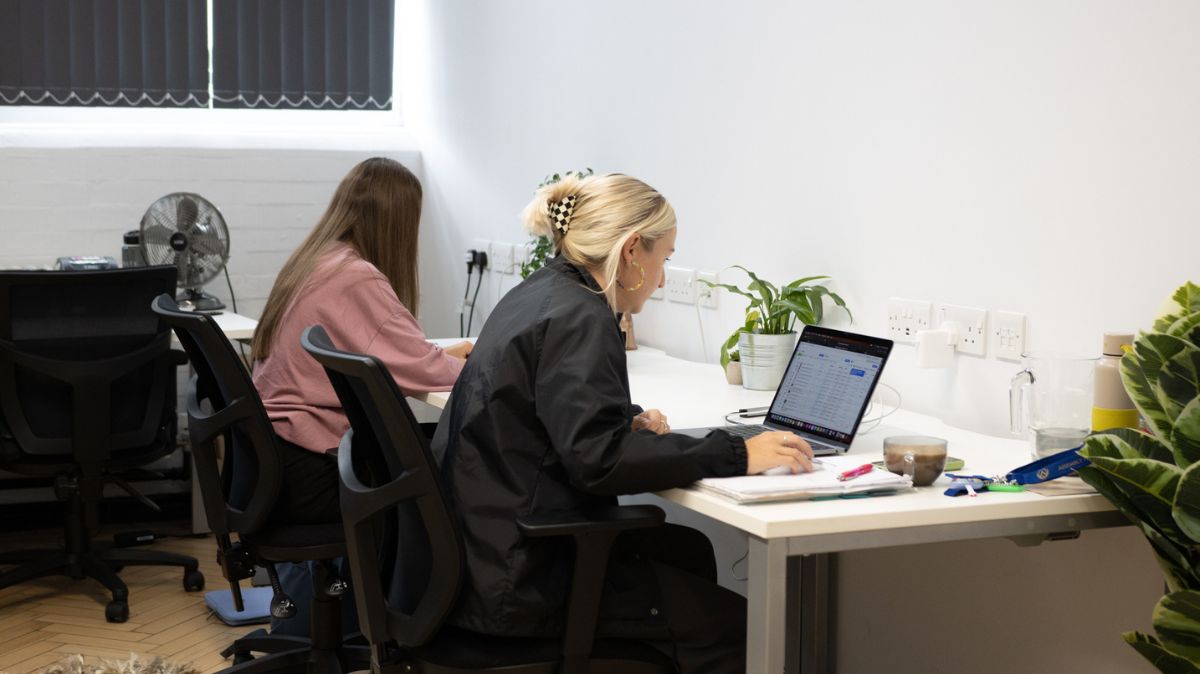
<point x="1187" y="502"/>
<point x="731" y="288"/>
<point x="1153" y="650"/>
<point x="1186" y="327"/>
<point x="807" y="279"/>
<point x="1154" y="349"/>
<point x="799" y="305"/>
<point x="1188" y="297"/>
<point x="1185" y="435"/>
<point x="1177" y="622"/>
<point x="1179" y="381"/>
<point x="1133" y="443"/>
<point x="816" y="295"/>
<point x="1157" y="479"/>
<point x="837" y="299"/>
<point x="1144" y="393"/>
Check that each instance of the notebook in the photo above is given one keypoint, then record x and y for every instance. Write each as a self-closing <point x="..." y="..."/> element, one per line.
<point x="824" y="391"/>
<point x="822" y="482"/>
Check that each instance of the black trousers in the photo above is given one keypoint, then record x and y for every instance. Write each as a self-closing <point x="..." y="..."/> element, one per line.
<point x="309" y="494"/>
<point x="694" y="621"/>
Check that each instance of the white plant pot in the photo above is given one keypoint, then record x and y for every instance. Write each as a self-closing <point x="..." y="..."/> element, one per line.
<point x="764" y="359"/>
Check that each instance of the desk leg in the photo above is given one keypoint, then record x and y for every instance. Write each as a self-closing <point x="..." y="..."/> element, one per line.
<point x="766" y="606"/>
<point x="815" y="614"/>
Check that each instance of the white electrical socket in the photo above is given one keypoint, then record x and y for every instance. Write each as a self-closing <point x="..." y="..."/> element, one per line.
<point x="1008" y="329"/>
<point x="972" y="327"/>
<point x="681" y="285"/>
<point x="501" y="257"/>
<point x="907" y="317"/>
<point x="707" y="295"/>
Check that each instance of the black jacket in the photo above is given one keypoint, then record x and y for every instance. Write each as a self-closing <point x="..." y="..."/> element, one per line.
<point x="539" y="421"/>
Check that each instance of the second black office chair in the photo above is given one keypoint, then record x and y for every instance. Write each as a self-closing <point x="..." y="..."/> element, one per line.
<point x="87" y="393"/>
<point x="394" y="511"/>
<point x="239" y="499"/>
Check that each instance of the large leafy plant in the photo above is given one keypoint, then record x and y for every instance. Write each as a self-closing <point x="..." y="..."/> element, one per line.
<point x="540" y="247"/>
<point x="1154" y="477"/>
<point x="774" y="310"/>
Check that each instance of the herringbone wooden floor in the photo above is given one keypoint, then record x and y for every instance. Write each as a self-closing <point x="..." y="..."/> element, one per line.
<point x="43" y="620"/>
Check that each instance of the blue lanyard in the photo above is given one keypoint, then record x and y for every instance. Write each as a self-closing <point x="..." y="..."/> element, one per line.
<point x="1048" y="468"/>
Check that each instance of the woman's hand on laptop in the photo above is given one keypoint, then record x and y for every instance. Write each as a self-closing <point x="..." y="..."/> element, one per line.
<point x="778" y="448"/>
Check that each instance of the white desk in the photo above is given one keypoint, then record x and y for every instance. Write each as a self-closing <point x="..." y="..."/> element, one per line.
<point x="781" y="535"/>
<point x="236" y="326"/>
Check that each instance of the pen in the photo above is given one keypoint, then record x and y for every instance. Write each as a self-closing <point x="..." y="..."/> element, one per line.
<point x="855" y="472"/>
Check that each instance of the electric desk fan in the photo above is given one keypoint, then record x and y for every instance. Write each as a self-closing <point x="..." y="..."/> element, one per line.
<point x="186" y="230"/>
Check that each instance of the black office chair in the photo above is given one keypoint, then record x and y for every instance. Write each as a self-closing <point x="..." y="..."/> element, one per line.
<point x="393" y="503"/>
<point x="87" y="392"/>
<point x="239" y="499"/>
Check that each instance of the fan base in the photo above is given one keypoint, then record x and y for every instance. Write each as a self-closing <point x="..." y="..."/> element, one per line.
<point x="198" y="301"/>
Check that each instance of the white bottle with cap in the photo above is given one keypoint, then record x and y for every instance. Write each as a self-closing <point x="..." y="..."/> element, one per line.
<point x="1112" y="407"/>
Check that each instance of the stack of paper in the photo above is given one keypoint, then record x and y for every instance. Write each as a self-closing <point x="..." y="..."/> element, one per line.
<point x="821" y="482"/>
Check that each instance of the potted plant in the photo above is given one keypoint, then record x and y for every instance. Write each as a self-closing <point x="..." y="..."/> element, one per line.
<point x="1153" y="476"/>
<point x="766" y="340"/>
<point x="540" y="247"/>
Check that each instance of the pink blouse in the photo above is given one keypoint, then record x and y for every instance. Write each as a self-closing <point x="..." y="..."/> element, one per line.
<point x="356" y="305"/>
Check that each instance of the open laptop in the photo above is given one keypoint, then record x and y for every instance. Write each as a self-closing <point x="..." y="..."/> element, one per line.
<point x="825" y="390"/>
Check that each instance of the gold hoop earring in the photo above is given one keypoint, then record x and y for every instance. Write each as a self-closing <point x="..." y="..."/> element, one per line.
<point x="642" y="280"/>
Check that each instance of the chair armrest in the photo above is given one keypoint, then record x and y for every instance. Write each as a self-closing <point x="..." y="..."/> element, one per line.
<point x="594" y="533"/>
<point x="178" y="358"/>
<point x="613" y="519"/>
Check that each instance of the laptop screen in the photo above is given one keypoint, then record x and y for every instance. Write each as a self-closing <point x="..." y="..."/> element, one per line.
<point x="828" y="383"/>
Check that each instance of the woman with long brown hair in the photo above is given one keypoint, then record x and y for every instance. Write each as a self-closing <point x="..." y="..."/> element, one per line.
<point x="356" y="275"/>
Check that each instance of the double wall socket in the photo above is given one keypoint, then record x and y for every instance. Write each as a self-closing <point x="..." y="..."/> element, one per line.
<point x="972" y="327"/>
<point x="681" y="285"/>
<point x="907" y="317"/>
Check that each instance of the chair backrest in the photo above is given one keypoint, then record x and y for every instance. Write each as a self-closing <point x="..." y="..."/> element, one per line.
<point x="403" y="544"/>
<point x="239" y="495"/>
<point x="84" y="365"/>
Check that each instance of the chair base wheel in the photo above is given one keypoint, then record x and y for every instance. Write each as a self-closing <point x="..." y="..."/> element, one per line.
<point x="116" y="611"/>
<point x="193" y="581"/>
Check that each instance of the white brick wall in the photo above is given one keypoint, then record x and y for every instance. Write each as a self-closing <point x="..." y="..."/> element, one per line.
<point x="80" y="201"/>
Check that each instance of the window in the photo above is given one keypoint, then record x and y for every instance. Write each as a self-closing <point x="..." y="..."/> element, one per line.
<point x="279" y="54"/>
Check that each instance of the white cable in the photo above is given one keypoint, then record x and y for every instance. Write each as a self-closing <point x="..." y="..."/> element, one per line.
<point x="700" y="323"/>
<point x="882" y="414"/>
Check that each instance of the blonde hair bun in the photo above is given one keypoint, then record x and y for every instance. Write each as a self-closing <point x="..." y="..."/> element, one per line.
<point x="536" y="216"/>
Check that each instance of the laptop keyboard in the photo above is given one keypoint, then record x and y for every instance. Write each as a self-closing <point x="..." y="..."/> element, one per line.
<point x="751" y="430"/>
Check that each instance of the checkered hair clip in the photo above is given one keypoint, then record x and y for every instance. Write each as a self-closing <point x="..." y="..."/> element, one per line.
<point x="560" y="213"/>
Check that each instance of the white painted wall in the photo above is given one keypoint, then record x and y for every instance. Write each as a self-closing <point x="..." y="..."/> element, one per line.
<point x="1029" y="156"/>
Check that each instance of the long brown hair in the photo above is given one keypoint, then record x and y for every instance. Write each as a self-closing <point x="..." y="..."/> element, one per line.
<point x="377" y="210"/>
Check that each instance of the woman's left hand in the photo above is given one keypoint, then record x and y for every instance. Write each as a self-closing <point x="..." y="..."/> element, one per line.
<point x="653" y="421"/>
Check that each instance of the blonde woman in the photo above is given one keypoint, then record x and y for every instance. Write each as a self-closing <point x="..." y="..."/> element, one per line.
<point x="355" y="274"/>
<point x="540" y="421"/>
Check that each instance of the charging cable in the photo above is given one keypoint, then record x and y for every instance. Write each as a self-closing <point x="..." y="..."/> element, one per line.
<point x="473" y="258"/>
<point x="470" y="259"/>
<point x="882" y="414"/>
